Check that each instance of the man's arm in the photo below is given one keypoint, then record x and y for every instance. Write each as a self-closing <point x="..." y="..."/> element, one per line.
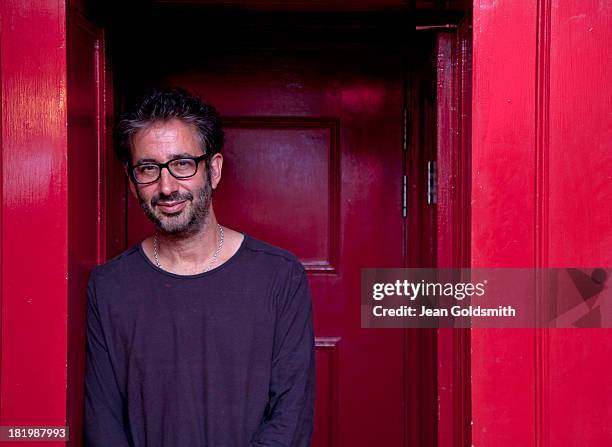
<point x="103" y="418"/>
<point x="289" y="419"/>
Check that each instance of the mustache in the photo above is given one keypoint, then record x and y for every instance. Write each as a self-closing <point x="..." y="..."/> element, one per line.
<point x="176" y="197"/>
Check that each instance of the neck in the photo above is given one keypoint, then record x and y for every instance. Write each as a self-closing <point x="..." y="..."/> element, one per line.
<point x="191" y="250"/>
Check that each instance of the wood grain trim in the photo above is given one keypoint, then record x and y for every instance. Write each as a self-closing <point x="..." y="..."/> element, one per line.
<point x="541" y="236"/>
<point x="100" y="80"/>
<point x="98" y="36"/>
<point x="454" y="224"/>
<point x="462" y="423"/>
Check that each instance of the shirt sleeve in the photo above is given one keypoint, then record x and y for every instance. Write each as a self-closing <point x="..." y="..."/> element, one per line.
<point x="104" y="410"/>
<point x="288" y="421"/>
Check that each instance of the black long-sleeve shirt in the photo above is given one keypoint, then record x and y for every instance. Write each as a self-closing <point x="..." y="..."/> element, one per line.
<point x="223" y="358"/>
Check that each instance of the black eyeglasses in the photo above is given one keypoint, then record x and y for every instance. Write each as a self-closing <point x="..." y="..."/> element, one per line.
<point x="180" y="168"/>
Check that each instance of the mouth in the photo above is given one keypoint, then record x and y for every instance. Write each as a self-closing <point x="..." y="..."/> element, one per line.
<point x="171" y="207"/>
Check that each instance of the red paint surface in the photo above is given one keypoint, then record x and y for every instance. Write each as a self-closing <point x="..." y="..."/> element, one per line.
<point x="541" y="197"/>
<point x="86" y="216"/>
<point x="34" y="214"/>
<point x="453" y="113"/>
<point x="539" y="123"/>
<point x="421" y="234"/>
<point x="503" y="218"/>
<point x="579" y="388"/>
<point x="446" y="157"/>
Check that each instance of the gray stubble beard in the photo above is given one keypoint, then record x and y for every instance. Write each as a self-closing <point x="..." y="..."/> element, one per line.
<point x="199" y="213"/>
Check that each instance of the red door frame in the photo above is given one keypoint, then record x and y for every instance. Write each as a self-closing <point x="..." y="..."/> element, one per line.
<point x="453" y="125"/>
<point x="541" y="197"/>
<point x="89" y="136"/>
<point x="440" y="113"/>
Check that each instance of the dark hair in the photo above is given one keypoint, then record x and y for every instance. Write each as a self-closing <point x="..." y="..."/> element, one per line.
<point x="166" y="104"/>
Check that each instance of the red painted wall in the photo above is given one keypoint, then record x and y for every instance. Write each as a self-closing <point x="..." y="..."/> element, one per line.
<point x="541" y="197"/>
<point x="34" y="213"/>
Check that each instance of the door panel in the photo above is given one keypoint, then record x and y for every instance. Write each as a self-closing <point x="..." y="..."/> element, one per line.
<point x="306" y="196"/>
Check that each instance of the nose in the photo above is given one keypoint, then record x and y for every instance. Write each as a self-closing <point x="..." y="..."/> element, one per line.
<point x="167" y="183"/>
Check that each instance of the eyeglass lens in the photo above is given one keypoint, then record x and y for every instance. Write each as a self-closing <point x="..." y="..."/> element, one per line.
<point x="182" y="167"/>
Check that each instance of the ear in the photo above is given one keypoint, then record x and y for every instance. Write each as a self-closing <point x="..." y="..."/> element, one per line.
<point x="216" y="166"/>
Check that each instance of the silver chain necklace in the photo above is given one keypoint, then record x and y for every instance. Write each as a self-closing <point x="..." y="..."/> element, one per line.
<point x="212" y="262"/>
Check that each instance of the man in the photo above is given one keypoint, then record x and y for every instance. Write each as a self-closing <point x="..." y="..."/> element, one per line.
<point x="199" y="335"/>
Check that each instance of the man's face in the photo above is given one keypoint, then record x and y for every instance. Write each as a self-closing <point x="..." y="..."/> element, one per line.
<point x="175" y="206"/>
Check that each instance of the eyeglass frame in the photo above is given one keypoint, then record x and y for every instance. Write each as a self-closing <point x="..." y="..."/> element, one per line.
<point x="161" y="166"/>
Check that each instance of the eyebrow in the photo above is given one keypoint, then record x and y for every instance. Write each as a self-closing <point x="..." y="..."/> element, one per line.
<point x="172" y="157"/>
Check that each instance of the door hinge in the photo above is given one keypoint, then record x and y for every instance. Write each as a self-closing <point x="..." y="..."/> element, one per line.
<point x="432" y="183"/>
<point x="405" y="130"/>
<point x="405" y="196"/>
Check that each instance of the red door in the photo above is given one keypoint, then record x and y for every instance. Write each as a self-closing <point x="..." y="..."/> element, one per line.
<point x="314" y="164"/>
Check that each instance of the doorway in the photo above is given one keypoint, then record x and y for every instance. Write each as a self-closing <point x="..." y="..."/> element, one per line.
<point x="319" y="110"/>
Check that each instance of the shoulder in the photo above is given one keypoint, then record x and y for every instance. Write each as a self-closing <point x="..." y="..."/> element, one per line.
<point x="122" y="265"/>
<point x="272" y="255"/>
<point x="270" y="261"/>
<point x="289" y="283"/>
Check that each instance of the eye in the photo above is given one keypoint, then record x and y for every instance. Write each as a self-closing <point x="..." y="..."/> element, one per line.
<point x="147" y="168"/>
